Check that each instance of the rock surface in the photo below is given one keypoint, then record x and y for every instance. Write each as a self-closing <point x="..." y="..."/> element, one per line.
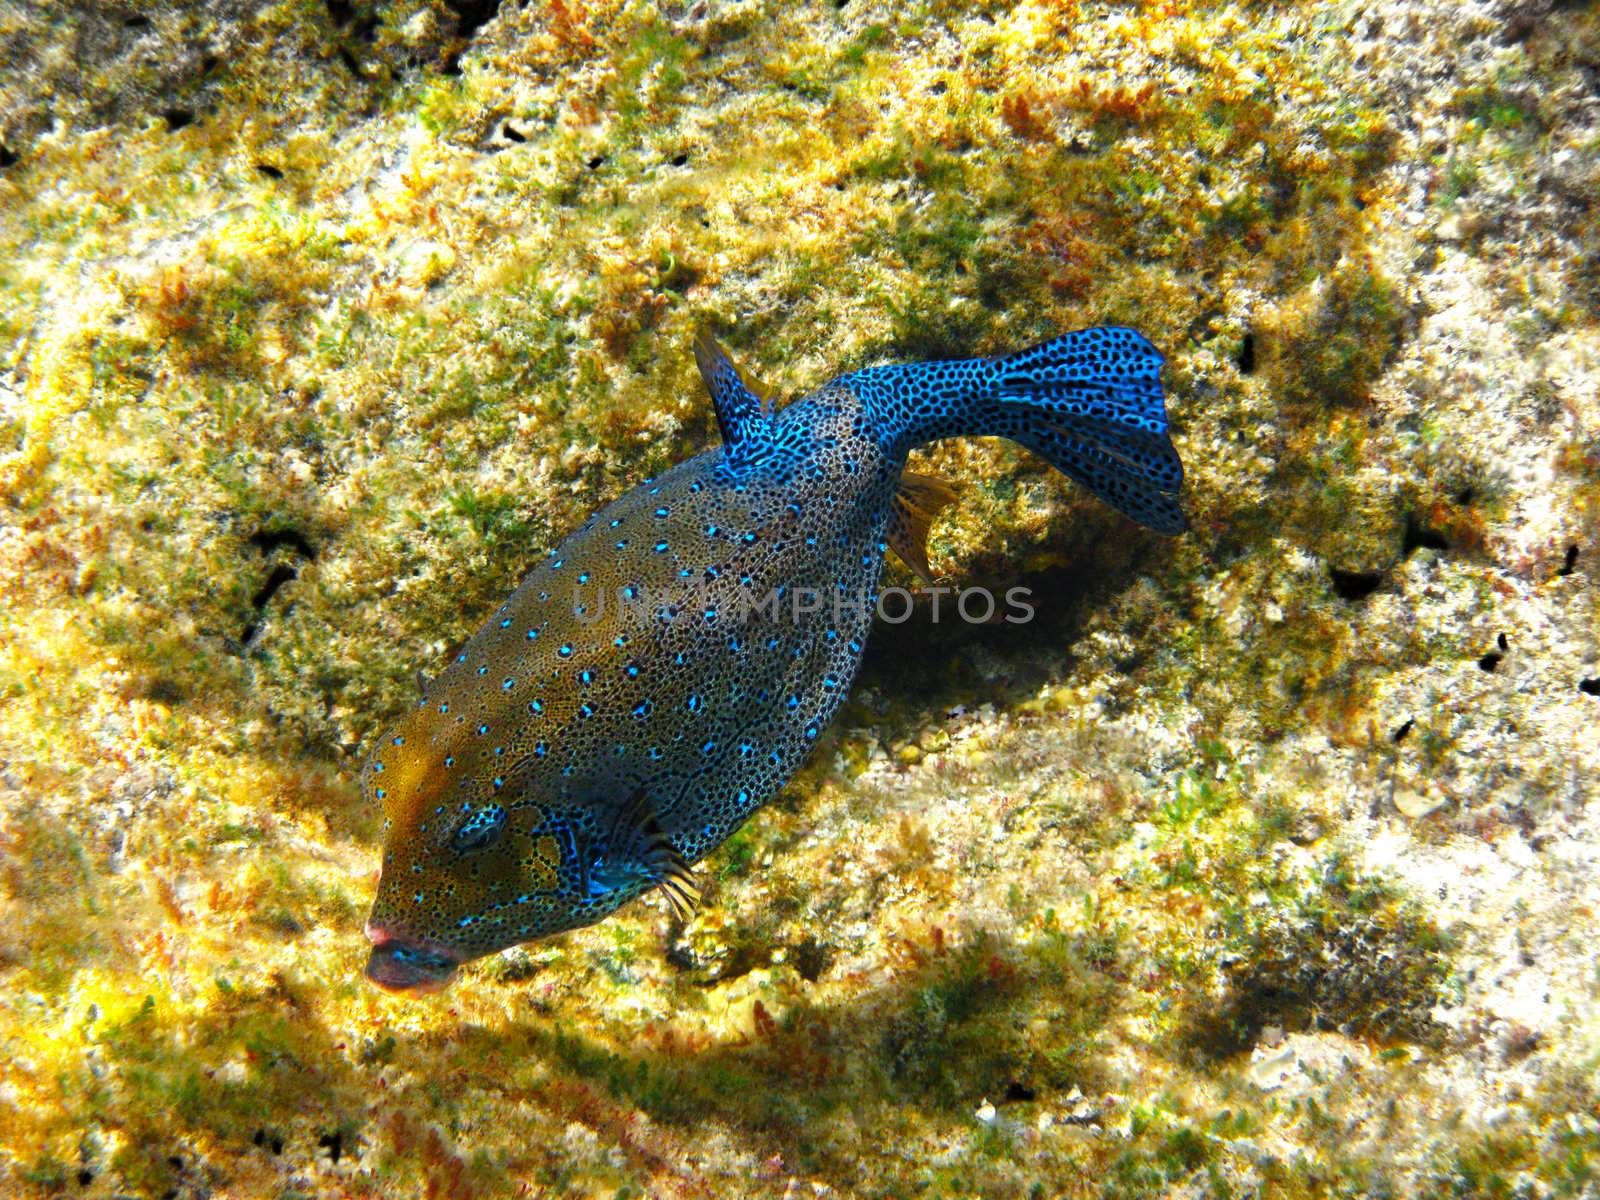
<point x="1261" y="862"/>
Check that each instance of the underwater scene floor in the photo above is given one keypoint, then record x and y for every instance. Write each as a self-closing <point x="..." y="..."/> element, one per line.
<point x="1263" y="861"/>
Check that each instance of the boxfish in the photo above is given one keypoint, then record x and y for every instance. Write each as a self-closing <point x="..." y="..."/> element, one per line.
<point x="659" y="675"/>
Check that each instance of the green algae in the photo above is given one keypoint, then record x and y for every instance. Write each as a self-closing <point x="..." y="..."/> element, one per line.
<point x="430" y="348"/>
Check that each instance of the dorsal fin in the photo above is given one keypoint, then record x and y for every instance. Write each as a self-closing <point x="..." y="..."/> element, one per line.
<point x="743" y="405"/>
<point x="917" y="500"/>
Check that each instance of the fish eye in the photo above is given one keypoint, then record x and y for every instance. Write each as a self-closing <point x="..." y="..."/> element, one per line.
<point x="481" y="830"/>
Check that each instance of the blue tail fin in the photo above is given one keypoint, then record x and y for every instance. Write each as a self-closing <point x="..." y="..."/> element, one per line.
<point x="1089" y="403"/>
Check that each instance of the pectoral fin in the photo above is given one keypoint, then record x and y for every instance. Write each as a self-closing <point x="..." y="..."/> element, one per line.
<point x="917" y="500"/>
<point x="638" y="850"/>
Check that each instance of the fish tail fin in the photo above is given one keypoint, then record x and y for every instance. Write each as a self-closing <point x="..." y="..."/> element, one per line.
<point x="1090" y="403"/>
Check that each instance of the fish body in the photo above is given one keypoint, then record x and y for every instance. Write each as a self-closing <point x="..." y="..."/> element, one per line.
<point x="661" y="673"/>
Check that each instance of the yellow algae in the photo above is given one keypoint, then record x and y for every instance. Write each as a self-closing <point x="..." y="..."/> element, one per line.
<point x="342" y="330"/>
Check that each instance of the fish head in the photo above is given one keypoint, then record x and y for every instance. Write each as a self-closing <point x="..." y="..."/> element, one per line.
<point x="473" y="862"/>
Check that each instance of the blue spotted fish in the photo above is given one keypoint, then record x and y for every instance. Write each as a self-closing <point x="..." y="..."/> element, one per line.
<point x="661" y="674"/>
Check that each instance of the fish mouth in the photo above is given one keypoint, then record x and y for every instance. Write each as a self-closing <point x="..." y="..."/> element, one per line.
<point x="410" y="966"/>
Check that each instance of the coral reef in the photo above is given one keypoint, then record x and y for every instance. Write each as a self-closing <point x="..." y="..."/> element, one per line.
<point x="1261" y="862"/>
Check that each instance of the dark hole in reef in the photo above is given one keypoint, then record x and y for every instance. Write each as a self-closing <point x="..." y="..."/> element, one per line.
<point x="512" y="133"/>
<point x="1570" y="564"/>
<point x="1400" y="733"/>
<point x="164" y="691"/>
<point x="8" y="156"/>
<point x="177" y="118"/>
<point x="175" y="1162"/>
<point x="1503" y="642"/>
<point x="85" y="1177"/>
<point x="342" y="13"/>
<point x="1490" y="662"/>
<point x="208" y="63"/>
<point x="333" y="1143"/>
<point x="1589" y="687"/>
<point x="1246" y="362"/>
<point x="268" y="540"/>
<point x="1466" y="496"/>
<point x="136" y="22"/>
<point x="270" y="171"/>
<point x="279" y="576"/>
<point x="472" y="15"/>
<point x="596" y="162"/>
<point x="1018" y="1092"/>
<point x="679" y="160"/>
<point x="1527" y="17"/>
<point x="811" y="959"/>
<point x="1355" y="585"/>
<point x="349" y="60"/>
<point x="1420" y="537"/>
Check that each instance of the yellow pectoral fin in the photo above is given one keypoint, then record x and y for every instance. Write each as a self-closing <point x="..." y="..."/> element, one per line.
<point x="917" y="500"/>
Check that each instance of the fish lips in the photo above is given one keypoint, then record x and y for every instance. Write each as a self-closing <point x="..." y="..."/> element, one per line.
<point x="410" y="966"/>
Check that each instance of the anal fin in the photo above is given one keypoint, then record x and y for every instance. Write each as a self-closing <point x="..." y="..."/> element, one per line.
<point x="917" y="500"/>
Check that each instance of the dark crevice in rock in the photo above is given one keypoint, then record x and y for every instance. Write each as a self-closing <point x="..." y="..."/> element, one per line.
<point x="1570" y="564"/>
<point x="1420" y="537"/>
<point x="333" y="1143"/>
<point x="1355" y="585"/>
<point x="471" y="16"/>
<point x="279" y="576"/>
<point x="178" y="118"/>
<point x="351" y="63"/>
<point x="811" y="959"/>
<point x="1490" y="662"/>
<point x="268" y="540"/>
<point x="1246" y="362"/>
